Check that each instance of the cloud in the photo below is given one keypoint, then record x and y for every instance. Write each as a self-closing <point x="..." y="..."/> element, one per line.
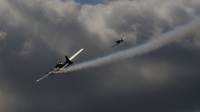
<point x="171" y="36"/>
<point x="10" y="16"/>
<point x="27" y="48"/>
<point x="124" y="18"/>
<point x="44" y="31"/>
<point x="2" y="40"/>
<point x="193" y="43"/>
<point x="197" y="40"/>
<point x="8" y="96"/>
<point x="137" y="20"/>
<point x="2" y="35"/>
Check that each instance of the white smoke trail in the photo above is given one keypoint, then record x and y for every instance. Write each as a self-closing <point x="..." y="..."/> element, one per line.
<point x="169" y="37"/>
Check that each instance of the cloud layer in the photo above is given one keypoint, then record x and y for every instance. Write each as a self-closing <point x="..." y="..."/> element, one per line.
<point x="171" y="36"/>
<point x="36" y="34"/>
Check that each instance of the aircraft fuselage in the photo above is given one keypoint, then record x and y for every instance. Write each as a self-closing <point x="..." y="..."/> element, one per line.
<point x="60" y="65"/>
<point x="119" y="41"/>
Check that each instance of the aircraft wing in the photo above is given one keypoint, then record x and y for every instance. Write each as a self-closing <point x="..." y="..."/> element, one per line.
<point x="44" y="77"/>
<point x="71" y="58"/>
<point x="115" y="45"/>
<point x="48" y="74"/>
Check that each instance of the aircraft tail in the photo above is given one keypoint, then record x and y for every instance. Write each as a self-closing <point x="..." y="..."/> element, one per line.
<point x="67" y="60"/>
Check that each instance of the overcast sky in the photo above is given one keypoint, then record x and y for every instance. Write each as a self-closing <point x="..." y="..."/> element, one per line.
<point x="36" y="34"/>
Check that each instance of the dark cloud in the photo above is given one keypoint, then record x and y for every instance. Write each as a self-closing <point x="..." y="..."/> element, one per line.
<point x="35" y="35"/>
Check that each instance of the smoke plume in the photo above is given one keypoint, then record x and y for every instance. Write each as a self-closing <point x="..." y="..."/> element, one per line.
<point x="169" y="37"/>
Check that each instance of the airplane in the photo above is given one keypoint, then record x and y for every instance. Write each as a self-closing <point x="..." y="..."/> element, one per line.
<point x="119" y="41"/>
<point x="61" y="65"/>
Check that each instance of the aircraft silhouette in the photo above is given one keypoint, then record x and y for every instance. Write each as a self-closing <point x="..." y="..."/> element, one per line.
<point x="119" y="41"/>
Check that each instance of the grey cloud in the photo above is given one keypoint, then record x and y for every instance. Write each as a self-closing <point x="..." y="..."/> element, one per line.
<point x="192" y="43"/>
<point x="2" y="35"/>
<point x="27" y="47"/>
<point x="197" y="40"/>
<point x="10" y="100"/>
<point x="2" y="40"/>
<point x="124" y="18"/>
<point x="53" y="28"/>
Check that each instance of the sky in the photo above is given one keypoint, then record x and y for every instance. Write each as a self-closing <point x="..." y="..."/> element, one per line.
<point x="36" y="34"/>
